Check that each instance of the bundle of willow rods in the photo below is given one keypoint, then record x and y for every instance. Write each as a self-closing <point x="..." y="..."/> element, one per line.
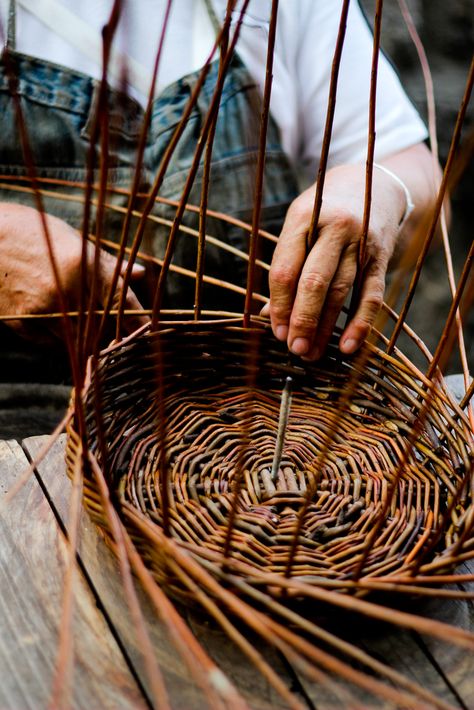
<point x="186" y="433"/>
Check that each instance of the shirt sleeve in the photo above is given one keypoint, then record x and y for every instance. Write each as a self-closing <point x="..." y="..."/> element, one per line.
<point x="398" y="125"/>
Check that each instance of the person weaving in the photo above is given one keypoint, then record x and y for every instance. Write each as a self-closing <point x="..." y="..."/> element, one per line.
<point x="58" y="67"/>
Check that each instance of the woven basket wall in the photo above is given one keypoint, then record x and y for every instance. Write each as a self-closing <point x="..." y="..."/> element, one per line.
<point x="218" y="387"/>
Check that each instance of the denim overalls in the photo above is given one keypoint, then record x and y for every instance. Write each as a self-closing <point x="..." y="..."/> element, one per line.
<point x="59" y="105"/>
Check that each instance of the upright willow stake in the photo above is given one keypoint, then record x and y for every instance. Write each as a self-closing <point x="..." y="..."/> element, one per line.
<point x="214" y="105"/>
<point x="468" y="396"/>
<point x="98" y="121"/>
<point x="76" y="370"/>
<point x="151" y="197"/>
<point x="430" y="101"/>
<point x="102" y="127"/>
<point x="260" y="164"/>
<point x="136" y="177"/>
<point x="207" y="175"/>
<point x="437" y="209"/>
<point x="443" y="351"/>
<point x="323" y="161"/>
<point x="453" y="311"/>
<point x="369" y="162"/>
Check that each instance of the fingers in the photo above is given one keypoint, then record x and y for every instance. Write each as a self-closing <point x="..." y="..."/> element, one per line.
<point x="338" y="291"/>
<point x="313" y="286"/>
<point x="138" y="270"/>
<point x="370" y="303"/>
<point x="307" y="292"/>
<point x="132" y="322"/>
<point x="108" y="265"/>
<point x="307" y="318"/>
<point x="287" y="262"/>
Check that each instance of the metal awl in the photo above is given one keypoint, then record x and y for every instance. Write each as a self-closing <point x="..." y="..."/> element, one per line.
<point x="282" y="424"/>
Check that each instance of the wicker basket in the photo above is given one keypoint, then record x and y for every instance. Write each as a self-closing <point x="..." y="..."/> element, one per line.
<point x="211" y="392"/>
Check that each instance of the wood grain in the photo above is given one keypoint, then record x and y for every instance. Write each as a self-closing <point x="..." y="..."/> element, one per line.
<point x="455" y="664"/>
<point x="104" y="574"/>
<point x="32" y="563"/>
<point x="438" y="667"/>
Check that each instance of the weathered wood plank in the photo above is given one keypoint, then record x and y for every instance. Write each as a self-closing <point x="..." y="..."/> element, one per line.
<point x="443" y="669"/>
<point x="392" y="646"/>
<point x="32" y="564"/>
<point x="104" y="574"/>
<point x="456" y="665"/>
<point x="401" y="650"/>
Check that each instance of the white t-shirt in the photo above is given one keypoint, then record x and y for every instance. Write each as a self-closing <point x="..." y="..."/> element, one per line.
<point x="306" y="35"/>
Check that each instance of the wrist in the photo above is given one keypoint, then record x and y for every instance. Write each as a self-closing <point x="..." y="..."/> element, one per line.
<point x="407" y="198"/>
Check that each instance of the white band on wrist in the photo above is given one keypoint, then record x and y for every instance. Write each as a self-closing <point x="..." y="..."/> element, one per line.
<point x="409" y="202"/>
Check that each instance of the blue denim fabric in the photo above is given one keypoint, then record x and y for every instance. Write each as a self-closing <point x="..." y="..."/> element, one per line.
<point x="59" y="106"/>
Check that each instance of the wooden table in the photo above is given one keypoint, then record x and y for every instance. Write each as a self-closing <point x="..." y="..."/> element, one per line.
<point x="108" y="669"/>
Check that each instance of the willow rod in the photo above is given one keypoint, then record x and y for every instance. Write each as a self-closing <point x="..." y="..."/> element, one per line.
<point x="323" y="160"/>
<point x="214" y="105"/>
<point x="437" y="209"/>
<point x="137" y="173"/>
<point x="207" y="174"/>
<point x="262" y="142"/>
<point x="430" y="100"/>
<point x="151" y="196"/>
<point x="361" y="262"/>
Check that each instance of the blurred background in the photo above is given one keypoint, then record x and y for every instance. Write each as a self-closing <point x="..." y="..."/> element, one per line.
<point x="447" y="32"/>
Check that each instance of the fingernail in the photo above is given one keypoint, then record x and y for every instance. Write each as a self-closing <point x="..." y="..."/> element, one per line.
<point x="350" y="346"/>
<point x="281" y="332"/>
<point x="299" y="346"/>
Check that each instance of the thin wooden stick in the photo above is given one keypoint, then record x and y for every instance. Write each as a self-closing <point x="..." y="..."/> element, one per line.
<point x="153" y="670"/>
<point x="229" y="219"/>
<point x="44" y="450"/>
<point x="440" y="352"/>
<point x="298" y="587"/>
<point x="430" y="100"/>
<point x="137" y="174"/>
<point x="102" y="119"/>
<point x="323" y="161"/>
<point x="468" y="396"/>
<point x="214" y="104"/>
<point x="361" y="263"/>
<point x="31" y="170"/>
<point x="437" y="209"/>
<point x="206" y="674"/>
<point x="61" y="687"/>
<point x="274" y="631"/>
<point x="262" y="141"/>
<point x="239" y="639"/>
<point x="207" y="174"/>
<point x="149" y="204"/>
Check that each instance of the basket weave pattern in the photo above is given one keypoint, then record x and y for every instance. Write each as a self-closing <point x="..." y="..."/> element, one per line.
<point x="220" y="387"/>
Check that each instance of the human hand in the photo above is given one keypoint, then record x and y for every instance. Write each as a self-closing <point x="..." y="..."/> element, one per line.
<point x="307" y="292"/>
<point x="27" y="283"/>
